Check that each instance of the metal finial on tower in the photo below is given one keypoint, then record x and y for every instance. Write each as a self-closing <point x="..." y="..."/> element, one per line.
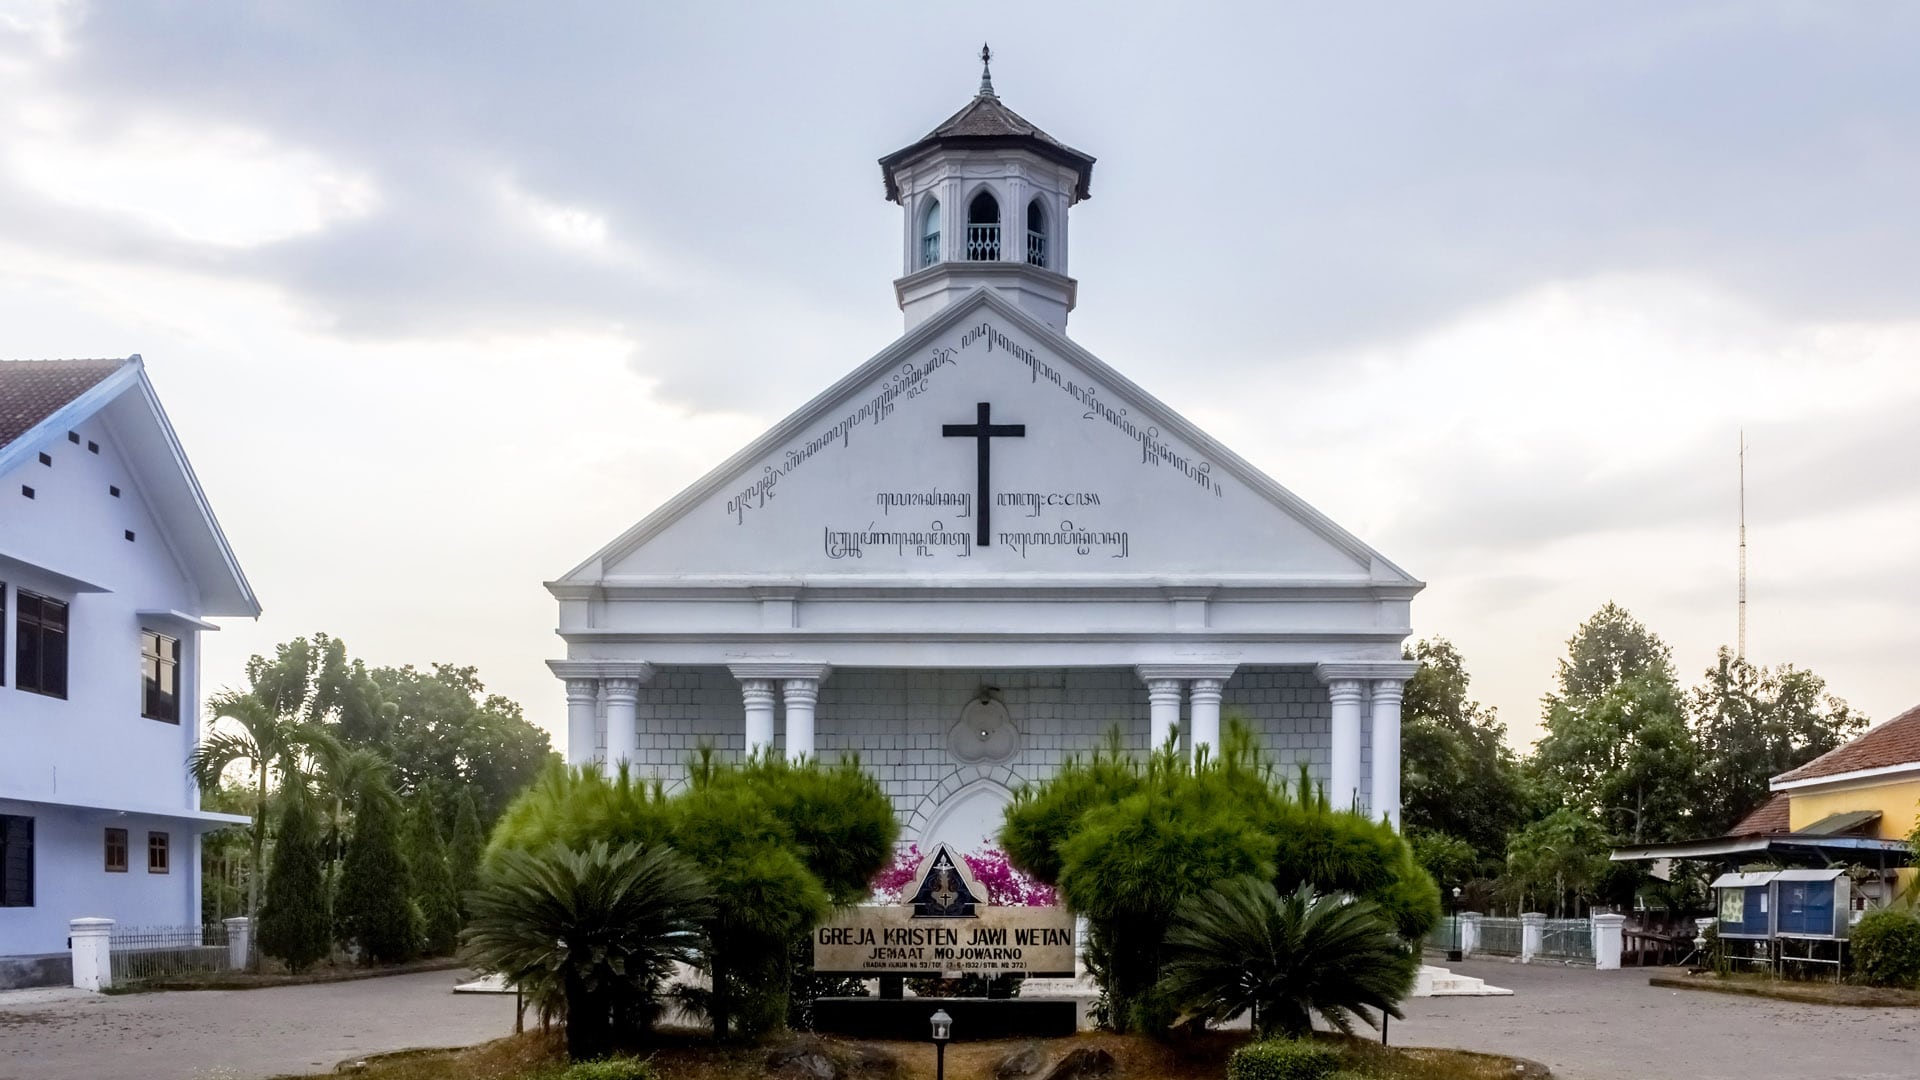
<point x="986" y="71"/>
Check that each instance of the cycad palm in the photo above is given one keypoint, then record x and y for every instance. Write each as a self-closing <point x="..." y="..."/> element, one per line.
<point x="1242" y="947"/>
<point x="596" y="930"/>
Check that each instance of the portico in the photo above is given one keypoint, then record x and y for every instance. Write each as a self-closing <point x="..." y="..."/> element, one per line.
<point x="984" y="550"/>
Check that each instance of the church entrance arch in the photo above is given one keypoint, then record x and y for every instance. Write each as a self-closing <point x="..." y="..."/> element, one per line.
<point x="966" y="819"/>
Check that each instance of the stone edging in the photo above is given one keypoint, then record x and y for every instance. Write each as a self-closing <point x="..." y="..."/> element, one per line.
<point x="1888" y="999"/>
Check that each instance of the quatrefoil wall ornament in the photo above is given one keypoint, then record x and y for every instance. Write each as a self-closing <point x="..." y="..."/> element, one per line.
<point x="985" y="732"/>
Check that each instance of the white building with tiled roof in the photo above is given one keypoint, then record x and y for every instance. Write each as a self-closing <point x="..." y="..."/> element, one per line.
<point x="111" y="563"/>
<point x="985" y="549"/>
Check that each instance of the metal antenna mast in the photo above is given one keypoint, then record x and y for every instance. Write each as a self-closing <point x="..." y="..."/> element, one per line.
<point x="1742" y="652"/>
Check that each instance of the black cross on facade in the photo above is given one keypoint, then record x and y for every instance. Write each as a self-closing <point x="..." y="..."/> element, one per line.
<point x="983" y="431"/>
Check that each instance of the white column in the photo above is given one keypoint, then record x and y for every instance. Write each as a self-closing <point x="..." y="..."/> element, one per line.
<point x="92" y="967"/>
<point x="1343" y="786"/>
<point x="1204" y="694"/>
<point x="1609" y="940"/>
<point x="1163" y="711"/>
<point x="583" y="697"/>
<point x="1386" y="751"/>
<point x="239" y="936"/>
<point x="801" y="696"/>
<point x="1469" y="933"/>
<point x="758" y="697"/>
<point x="1533" y="933"/>
<point x="623" y="720"/>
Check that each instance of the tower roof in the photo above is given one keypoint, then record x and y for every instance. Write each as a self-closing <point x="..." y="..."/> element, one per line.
<point x="984" y="124"/>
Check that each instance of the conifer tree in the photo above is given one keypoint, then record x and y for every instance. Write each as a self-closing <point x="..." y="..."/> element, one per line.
<point x="293" y="919"/>
<point x="433" y="895"/>
<point x="375" y="905"/>
<point x="467" y="848"/>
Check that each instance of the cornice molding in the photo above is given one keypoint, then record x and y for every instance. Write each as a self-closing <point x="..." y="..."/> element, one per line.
<point x="781" y="669"/>
<point x="1365" y="670"/>
<point x="601" y="669"/>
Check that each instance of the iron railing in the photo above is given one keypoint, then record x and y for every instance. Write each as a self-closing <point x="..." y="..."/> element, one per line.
<point x="140" y="953"/>
<point x="1498" y="937"/>
<point x="983" y="243"/>
<point x="1570" y="940"/>
<point x="1036" y="248"/>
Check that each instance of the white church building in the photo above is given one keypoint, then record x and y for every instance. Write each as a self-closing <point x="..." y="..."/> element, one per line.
<point x="111" y="563"/>
<point x="984" y="549"/>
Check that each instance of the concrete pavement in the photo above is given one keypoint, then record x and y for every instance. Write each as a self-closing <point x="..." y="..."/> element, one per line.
<point x="238" y="1034"/>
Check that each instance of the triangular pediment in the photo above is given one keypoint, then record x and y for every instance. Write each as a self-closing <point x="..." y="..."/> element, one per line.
<point x="1088" y="475"/>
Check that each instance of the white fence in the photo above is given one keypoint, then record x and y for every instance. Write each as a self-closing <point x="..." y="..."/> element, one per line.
<point x="106" y="956"/>
<point x="1593" y="942"/>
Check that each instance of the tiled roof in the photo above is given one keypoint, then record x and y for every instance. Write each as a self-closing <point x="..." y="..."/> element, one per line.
<point x="1896" y="742"/>
<point x="984" y="122"/>
<point x="32" y="390"/>
<point x="1769" y="817"/>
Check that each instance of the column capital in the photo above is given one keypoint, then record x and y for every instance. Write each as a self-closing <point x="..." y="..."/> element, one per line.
<point x="1388" y="690"/>
<point x="781" y="669"/>
<point x="601" y="669"/>
<point x="1149" y="672"/>
<point x="1345" y="691"/>
<point x="1332" y="671"/>
<point x="755" y="691"/>
<point x="1207" y="688"/>
<point x="1164" y="689"/>
<point x="622" y="690"/>
<point x="800" y="691"/>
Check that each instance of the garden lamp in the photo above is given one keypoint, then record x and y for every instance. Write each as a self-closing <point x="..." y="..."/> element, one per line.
<point x="1453" y="954"/>
<point x="942" y="1031"/>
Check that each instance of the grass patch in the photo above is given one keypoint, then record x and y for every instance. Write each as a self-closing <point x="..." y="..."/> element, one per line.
<point x="247" y="980"/>
<point x="686" y="1055"/>
<point x="1811" y="993"/>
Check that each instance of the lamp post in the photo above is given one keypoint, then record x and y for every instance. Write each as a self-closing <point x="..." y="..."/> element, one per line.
<point x="942" y="1031"/>
<point x="1453" y="954"/>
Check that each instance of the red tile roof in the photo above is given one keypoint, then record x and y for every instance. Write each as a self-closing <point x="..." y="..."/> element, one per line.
<point x="1767" y="818"/>
<point x="1896" y="742"/>
<point x="32" y="390"/>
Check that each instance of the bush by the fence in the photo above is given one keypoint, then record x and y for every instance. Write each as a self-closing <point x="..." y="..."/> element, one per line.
<point x="1283" y="1059"/>
<point x="1886" y="948"/>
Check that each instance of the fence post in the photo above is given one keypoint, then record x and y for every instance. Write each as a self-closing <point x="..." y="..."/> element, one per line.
<point x="1532" y="934"/>
<point x="1469" y="934"/>
<point x="239" y="933"/>
<point x="1609" y="938"/>
<point x="92" y="955"/>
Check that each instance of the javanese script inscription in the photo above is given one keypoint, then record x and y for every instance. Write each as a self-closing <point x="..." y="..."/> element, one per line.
<point x="906" y="384"/>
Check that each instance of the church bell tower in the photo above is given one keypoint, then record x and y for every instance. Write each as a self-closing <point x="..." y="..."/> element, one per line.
<point x="985" y="198"/>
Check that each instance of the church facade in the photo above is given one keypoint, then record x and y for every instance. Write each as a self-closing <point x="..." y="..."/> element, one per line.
<point x="984" y="549"/>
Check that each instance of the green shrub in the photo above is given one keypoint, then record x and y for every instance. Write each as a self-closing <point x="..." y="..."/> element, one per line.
<point x="1283" y="1059"/>
<point x="611" y="1068"/>
<point x="1886" y="948"/>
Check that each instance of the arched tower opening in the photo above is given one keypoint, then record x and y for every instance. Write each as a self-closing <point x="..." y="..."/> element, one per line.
<point x="1036" y="234"/>
<point x="983" y="228"/>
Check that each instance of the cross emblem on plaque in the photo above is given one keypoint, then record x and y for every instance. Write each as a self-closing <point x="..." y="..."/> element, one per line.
<point x="983" y="431"/>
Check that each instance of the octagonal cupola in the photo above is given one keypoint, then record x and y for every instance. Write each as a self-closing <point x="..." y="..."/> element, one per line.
<point x="985" y="198"/>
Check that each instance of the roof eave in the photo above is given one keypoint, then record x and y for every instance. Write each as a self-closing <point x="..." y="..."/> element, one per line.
<point x="1055" y="152"/>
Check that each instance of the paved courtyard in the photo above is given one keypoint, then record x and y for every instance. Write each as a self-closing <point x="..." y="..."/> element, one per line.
<point x="237" y="1034"/>
<point x="1610" y="1025"/>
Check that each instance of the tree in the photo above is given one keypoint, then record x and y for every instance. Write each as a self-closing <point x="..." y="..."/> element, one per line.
<point x="1451" y="861"/>
<point x="1625" y="757"/>
<point x="343" y="773"/>
<point x="294" y="922"/>
<point x="1752" y="724"/>
<point x="1458" y="777"/>
<point x="1560" y="856"/>
<point x="441" y="726"/>
<point x="466" y="848"/>
<point x="1607" y="650"/>
<point x="433" y="892"/>
<point x="593" y="932"/>
<point x="1243" y="947"/>
<point x="269" y="741"/>
<point x="375" y="907"/>
<point x="1126" y="840"/>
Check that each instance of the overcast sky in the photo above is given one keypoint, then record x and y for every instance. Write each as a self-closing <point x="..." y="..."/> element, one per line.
<point x="443" y="297"/>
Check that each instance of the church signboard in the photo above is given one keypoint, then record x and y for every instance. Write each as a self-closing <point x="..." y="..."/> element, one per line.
<point x="943" y="926"/>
